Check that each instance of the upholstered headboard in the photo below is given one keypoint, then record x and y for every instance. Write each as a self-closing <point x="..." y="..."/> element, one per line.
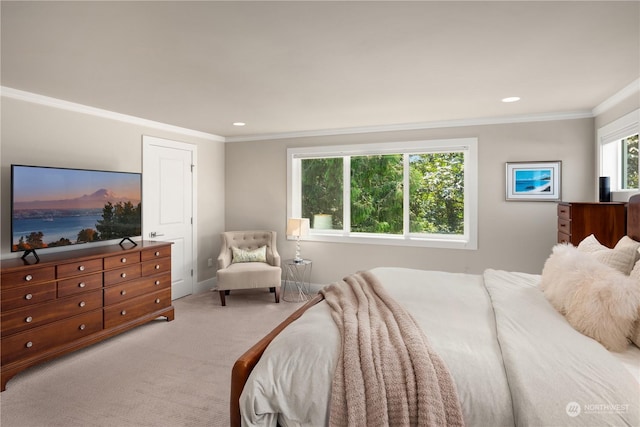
<point x="633" y="217"/>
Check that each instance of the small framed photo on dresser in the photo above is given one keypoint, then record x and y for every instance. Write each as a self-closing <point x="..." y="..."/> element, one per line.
<point x="533" y="181"/>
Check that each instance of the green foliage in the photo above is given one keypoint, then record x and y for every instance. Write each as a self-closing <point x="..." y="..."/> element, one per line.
<point x="376" y="194"/>
<point x="631" y="176"/>
<point x="436" y="192"/>
<point x="322" y="188"/>
<point x="121" y="219"/>
<point x="436" y="202"/>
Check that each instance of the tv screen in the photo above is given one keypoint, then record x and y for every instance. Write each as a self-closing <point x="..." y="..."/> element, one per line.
<point x="52" y="207"/>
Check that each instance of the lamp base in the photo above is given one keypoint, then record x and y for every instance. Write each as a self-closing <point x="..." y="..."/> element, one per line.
<point x="298" y="260"/>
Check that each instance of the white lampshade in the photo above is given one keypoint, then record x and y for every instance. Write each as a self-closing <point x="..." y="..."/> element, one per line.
<point x="298" y="227"/>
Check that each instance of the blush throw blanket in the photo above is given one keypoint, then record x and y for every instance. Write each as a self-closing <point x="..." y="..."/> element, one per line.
<point x="386" y="374"/>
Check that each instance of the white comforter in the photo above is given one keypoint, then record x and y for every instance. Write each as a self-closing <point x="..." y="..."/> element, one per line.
<point x="514" y="359"/>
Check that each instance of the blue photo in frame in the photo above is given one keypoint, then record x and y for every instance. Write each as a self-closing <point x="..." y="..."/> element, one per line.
<point x="533" y="181"/>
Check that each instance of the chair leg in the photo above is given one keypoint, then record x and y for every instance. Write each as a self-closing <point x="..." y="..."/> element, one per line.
<point x="277" y="293"/>
<point x="227" y="292"/>
<point x="272" y="290"/>
<point x="222" y="300"/>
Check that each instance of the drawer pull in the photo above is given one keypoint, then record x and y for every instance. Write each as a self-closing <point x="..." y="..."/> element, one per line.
<point x="563" y="225"/>
<point x="28" y="277"/>
<point x="157" y="253"/>
<point x="157" y="266"/>
<point x="82" y="327"/>
<point x="82" y="285"/>
<point x="157" y="300"/>
<point x="28" y="296"/>
<point x="29" y="344"/>
<point x="123" y="275"/>
<point x="29" y="319"/>
<point x="82" y="304"/>
<point x="81" y="267"/>
<point x="157" y="282"/>
<point x="123" y="312"/>
<point x="123" y="292"/>
<point x="123" y="260"/>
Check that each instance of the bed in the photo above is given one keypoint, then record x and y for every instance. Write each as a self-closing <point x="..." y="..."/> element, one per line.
<point x="514" y="358"/>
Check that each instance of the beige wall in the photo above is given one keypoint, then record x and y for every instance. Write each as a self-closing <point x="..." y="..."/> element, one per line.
<point x="41" y="135"/>
<point x="512" y="235"/>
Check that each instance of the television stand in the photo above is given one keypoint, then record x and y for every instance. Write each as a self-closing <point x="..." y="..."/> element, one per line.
<point x="129" y="239"/>
<point x="30" y="251"/>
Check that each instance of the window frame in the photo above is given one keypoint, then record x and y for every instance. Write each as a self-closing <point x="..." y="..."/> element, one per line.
<point x="469" y="240"/>
<point x="610" y="164"/>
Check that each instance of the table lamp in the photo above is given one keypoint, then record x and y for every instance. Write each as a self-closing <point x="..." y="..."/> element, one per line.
<point x="298" y="227"/>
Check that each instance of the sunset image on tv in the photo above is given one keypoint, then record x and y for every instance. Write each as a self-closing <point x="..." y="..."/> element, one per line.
<point x="59" y="207"/>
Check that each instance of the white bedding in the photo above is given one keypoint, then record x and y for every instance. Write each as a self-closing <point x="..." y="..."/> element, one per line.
<point x="514" y="359"/>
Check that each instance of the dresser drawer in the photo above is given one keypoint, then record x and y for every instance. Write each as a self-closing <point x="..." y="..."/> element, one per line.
<point x="563" y="237"/>
<point x="29" y="317"/>
<point x="156" y="266"/>
<point x="132" y="309"/>
<point x="564" y="226"/>
<point x="133" y="288"/>
<point x="77" y="268"/>
<point x="121" y="260"/>
<point x="34" y="341"/>
<point x="27" y="276"/>
<point x="27" y="295"/>
<point x="161" y="252"/>
<point x="79" y="284"/>
<point x="119" y="275"/>
<point x="564" y="211"/>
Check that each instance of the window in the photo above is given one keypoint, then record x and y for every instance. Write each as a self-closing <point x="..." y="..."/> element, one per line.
<point x="414" y="193"/>
<point x="618" y="153"/>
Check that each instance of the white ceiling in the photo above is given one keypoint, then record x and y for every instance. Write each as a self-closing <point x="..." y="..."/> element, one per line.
<point x="303" y="66"/>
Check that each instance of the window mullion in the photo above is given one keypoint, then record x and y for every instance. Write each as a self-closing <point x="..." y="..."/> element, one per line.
<point x="346" y="195"/>
<point x="405" y="194"/>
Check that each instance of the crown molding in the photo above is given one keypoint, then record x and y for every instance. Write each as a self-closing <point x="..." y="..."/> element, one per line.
<point x="417" y="126"/>
<point x="629" y="90"/>
<point x="84" y="109"/>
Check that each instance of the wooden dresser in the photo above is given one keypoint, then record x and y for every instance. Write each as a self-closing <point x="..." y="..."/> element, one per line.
<point x="577" y="220"/>
<point x="69" y="300"/>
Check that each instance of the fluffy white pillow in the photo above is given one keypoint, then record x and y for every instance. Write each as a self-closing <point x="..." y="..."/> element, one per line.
<point x="622" y="257"/>
<point x="597" y="300"/>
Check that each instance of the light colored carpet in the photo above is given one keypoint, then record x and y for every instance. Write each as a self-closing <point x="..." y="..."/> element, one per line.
<point x="159" y="374"/>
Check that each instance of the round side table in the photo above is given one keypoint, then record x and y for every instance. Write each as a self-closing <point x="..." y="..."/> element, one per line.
<point x="297" y="280"/>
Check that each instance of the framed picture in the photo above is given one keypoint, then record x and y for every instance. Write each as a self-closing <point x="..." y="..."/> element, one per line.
<point x="534" y="181"/>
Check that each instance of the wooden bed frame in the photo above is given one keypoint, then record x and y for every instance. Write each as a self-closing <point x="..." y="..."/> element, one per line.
<point x="245" y="364"/>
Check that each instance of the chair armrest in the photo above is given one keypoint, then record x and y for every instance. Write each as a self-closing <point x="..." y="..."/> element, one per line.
<point x="224" y="260"/>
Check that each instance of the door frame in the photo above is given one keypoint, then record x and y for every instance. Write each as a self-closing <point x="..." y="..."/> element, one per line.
<point x="147" y="141"/>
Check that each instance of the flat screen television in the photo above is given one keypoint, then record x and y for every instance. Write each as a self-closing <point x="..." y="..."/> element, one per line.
<point x="53" y="207"/>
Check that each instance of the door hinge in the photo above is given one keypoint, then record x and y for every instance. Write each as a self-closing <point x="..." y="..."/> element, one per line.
<point x="191" y="220"/>
<point x="192" y="272"/>
<point x="192" y="166"/>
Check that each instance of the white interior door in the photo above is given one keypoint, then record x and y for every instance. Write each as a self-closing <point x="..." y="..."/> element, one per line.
<point x="168" y="182"/>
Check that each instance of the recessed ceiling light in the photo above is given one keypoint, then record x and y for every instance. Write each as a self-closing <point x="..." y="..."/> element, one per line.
<point x="511" y="99"/>
<point x="239" y="123"/>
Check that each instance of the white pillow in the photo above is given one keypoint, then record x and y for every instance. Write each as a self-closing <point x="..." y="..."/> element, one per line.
<point x="622" y="257"/>
<point x="597" y="300"/>
<point x="249" y="255"/>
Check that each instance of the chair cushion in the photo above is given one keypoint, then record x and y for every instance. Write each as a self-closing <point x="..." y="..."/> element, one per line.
<point x="247" y="275"/>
